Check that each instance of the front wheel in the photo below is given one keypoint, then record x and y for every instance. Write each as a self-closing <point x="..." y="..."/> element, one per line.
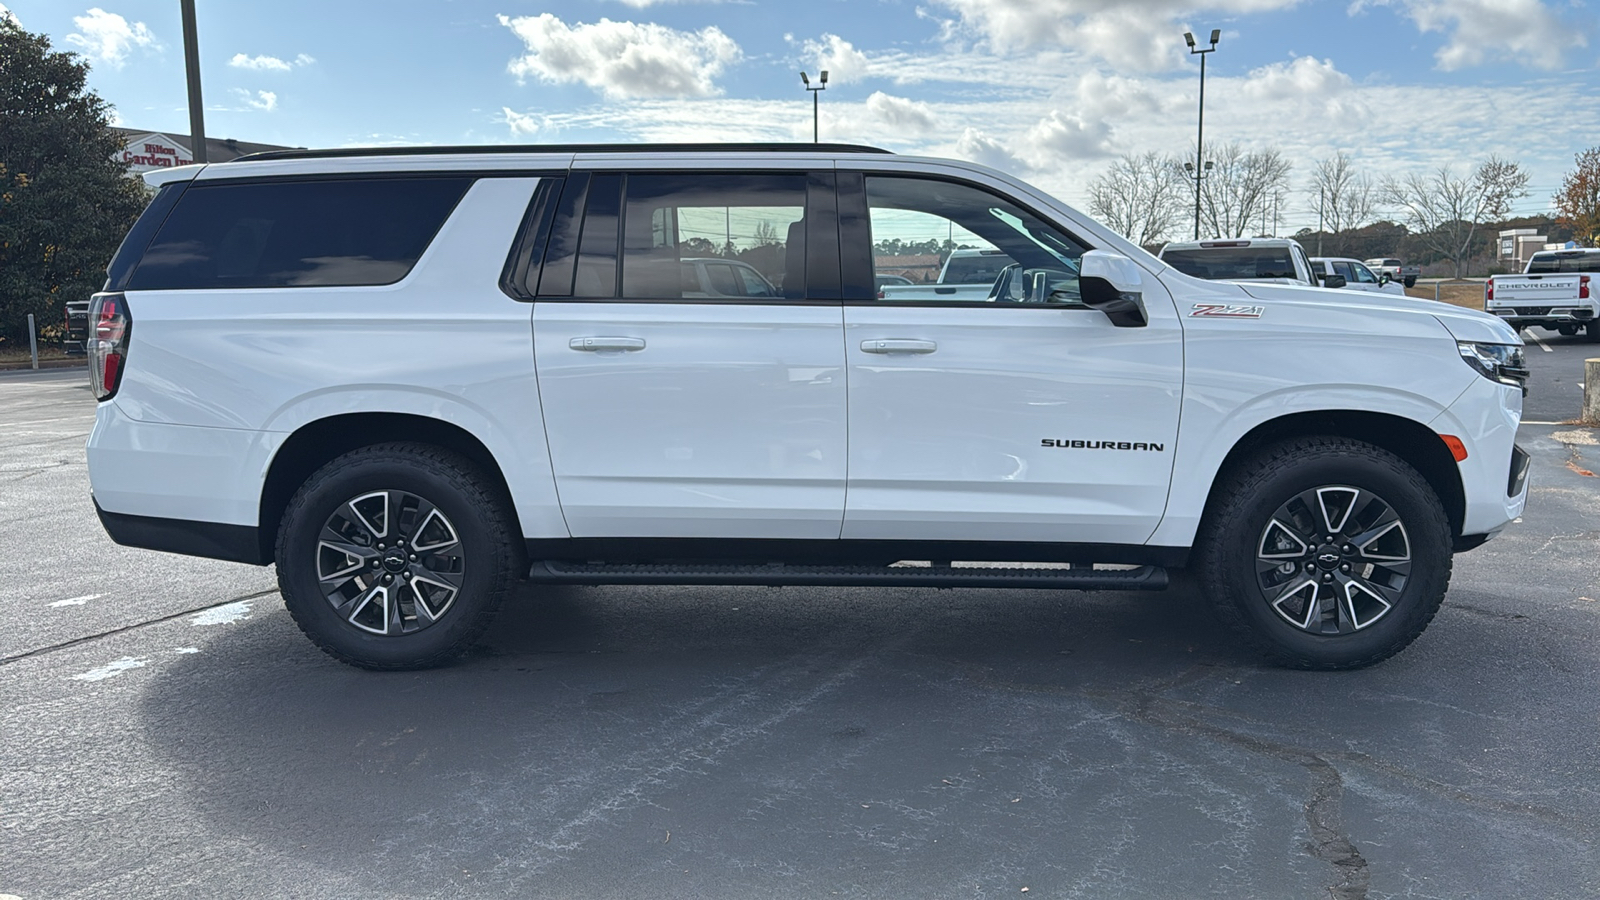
<point x="1327" y="553"/>
<point x="395" y="556"/>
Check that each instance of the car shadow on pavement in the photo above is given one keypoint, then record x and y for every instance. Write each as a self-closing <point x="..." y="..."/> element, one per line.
<point x="736" y="741"/>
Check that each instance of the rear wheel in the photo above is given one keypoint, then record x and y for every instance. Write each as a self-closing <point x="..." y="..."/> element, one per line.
<point x="1592" y="332"/>
<point x="1327" y="553"/>
<point x="395" y="556"/>
<point x="1411" y="281"/>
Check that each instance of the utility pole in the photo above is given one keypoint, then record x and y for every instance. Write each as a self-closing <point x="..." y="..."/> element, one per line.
<point x="822" y="85"/>
<point x="1200" y="136"/>
<point x="191" y="64"/>
<point x="1322" y="201"/>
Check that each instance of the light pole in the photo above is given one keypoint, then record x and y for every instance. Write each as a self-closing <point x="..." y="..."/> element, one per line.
<point x="1195" y="176"/>
<point x="822" y="85"/>
<point x="1199" y="141"/>
<point x="191" y="63"/>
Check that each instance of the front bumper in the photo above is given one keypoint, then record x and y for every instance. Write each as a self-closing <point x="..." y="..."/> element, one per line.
<point x="1494" y="476"/>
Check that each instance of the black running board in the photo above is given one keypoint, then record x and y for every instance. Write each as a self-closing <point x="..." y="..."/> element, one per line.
<point x="1078" y="578"/>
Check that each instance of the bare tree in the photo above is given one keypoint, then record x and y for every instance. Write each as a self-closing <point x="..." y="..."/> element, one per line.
<point x="1240" y="187"/>
<point x="1344" y="199"/>
<point x="1444" y="211"/>
<point x="1140" y="197"/>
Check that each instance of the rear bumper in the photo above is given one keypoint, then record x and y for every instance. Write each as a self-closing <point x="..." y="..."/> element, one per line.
<point x="213" y="540"/>
<point x="1545" y="316"/>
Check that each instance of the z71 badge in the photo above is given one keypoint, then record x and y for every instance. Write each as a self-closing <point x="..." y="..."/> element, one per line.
<point x="1226" y="311"/>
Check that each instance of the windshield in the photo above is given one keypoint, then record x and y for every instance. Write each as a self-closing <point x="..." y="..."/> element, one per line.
<point x="1227" y="263"/>
<point x="1564" y="262"/>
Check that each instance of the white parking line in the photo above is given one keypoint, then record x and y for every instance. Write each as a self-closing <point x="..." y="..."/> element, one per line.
<point x="1538" y="340"/>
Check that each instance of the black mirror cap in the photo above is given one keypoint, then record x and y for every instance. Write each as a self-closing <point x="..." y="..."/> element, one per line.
<point x="1125" y="310"/>
<point x="1383" y="278"/>
<point x="1333" y="281"/>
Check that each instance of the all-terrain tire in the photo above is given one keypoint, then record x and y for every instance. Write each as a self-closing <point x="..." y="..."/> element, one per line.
<point x="396" y="556"/>
<point x="1250" y="559"/>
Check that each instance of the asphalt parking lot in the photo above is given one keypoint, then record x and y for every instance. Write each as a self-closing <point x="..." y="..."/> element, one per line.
<point x="167" y="731"/>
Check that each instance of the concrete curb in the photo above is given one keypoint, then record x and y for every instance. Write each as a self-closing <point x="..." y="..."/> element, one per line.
<point x="44" y="364"/>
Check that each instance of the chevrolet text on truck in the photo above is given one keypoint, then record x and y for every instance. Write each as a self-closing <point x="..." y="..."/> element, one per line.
<point x="1556" y="290"/>
<point x="413" y="377"/>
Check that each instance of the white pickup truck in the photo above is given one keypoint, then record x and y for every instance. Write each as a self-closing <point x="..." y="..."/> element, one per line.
<point x="967" y="275"/>
<point x="1556" y="291"/>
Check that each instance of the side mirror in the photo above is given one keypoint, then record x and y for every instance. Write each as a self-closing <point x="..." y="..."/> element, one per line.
<point x="1383" y="278"/>
<point x="1333" y="281"/>
<point x="1113" y="284"/>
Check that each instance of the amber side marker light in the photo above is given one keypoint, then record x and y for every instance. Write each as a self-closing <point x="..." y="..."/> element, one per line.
<point x="1457" y="449"/>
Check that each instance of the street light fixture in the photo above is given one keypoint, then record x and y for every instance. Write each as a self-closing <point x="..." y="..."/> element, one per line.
<point x="822" y="85"/>
<point x="1199" y="141"/>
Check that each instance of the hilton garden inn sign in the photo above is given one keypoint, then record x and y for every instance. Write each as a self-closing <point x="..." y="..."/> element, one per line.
<point x="148" y="152"/>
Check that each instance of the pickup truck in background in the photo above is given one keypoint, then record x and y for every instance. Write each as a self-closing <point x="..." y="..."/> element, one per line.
<point x="1396" y="270"/>
<point x="1555" y="291"/>
<point x="967" y="275"/>
<point x="76" y="334"/>
<point x="1356" y="275"/>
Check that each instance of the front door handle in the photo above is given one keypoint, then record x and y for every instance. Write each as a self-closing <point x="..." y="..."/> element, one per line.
<point x="594" y="344"/>
<point x="898" y="345"/>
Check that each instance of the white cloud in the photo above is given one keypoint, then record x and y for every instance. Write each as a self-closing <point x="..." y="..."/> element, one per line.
<point x="1134" y="34"/>
<point x="268" y="63"/>
<point x="1305" y="76"/>
<point x="522" y="124"/>
<point x="109" y="37"/>
<point x="6" y="13"/>
<point x="263" y="101"/>
<point x="902" y="117"/>
<point x="987" y="151"/>
<point x="1523" y="32"/>
<point x="623" y="59"/>
<point x="258" y="63"/>
<point x="1066" y="136"/>
<point x="838" y="56"/>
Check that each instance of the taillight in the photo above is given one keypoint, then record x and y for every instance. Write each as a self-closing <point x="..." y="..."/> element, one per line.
<point x="1488" y="290"/>
<point x="109" y="327"/>
<point x="1583" y="287"/>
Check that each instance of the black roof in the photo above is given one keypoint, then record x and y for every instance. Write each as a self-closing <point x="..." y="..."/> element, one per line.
<point x="561" y="148"/>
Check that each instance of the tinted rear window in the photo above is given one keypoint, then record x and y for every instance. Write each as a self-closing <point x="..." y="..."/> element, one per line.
<point x="1573" y="262"/>
<point x="297" y="233"/>
<point x="1222" y="263"/>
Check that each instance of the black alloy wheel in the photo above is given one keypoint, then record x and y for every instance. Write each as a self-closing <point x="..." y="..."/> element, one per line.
<point x="1325" y="552"/>
<point x="396" y="556"/>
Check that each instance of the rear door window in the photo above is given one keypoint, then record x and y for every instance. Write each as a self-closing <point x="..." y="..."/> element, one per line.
<point x="1223" y="263"/>
<point x="1555" y="263"/>
<point x="314" y="233"/>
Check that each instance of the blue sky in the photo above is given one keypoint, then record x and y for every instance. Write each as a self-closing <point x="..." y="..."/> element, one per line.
<point x="1050" y="90"/>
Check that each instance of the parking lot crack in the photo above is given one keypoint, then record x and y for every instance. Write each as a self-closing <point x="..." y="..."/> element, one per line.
<point x="40" y="651"/>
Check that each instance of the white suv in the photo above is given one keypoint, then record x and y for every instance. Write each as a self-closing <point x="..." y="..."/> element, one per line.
<point x="411" y="378"/>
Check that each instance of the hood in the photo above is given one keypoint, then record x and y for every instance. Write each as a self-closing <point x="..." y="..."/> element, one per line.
<point x="1463" y="324"/>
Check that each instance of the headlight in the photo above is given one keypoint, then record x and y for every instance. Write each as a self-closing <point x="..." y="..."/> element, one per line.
<point x="1497" y="362"/>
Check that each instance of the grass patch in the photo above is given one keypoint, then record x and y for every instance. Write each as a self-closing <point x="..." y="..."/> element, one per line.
<point x="1466" y="294"/>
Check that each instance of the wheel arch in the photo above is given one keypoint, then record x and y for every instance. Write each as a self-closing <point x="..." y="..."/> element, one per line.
<point x="317" y="442"/>
<point x="1415" y="443"/>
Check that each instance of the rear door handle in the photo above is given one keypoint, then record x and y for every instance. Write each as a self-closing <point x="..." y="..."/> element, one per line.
<point x="594" y="344"/>
<point x="898" y="345"/>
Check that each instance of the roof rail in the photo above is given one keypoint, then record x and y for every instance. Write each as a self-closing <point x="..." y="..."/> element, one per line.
<point x="489" y="149"/>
